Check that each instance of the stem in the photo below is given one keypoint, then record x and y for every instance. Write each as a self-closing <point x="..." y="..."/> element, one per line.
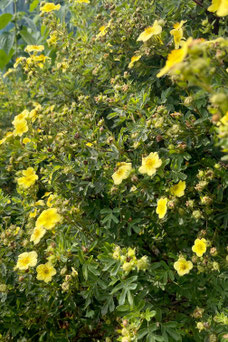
<point x="198" y="3"/>
<point x="15" y="25"/>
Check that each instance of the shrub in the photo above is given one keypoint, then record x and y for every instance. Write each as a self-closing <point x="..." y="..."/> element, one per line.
<point x="113" y="176"/>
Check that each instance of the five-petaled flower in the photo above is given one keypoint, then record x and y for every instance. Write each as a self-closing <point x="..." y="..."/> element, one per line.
<point x="199" y="247"/>
<point x="161" y="207"/>
<point x="182" y="266"/>
<point x="220" y="7"/>
<point x="34" y="48"/>
<point x="48" y="219"/>
<point x="177" y="33"/>
<point x="49" y="7"/>
<point x="150" y="164"/>
<point x="178" y="189"/>
<point x="29" y="178"/>
<point x="45" y="272"/>
<point x="26" y="260"/>
<point x="150" y="31"/>
<point x="122" y="173"/>
<point x="20" y="127"/>
<point x="37" y="234"/>
<point x="175" y="57"/>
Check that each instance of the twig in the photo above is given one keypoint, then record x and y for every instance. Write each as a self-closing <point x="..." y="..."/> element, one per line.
<point x="198" y="3"/>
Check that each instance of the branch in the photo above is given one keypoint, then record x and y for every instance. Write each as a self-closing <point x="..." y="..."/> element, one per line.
<point x="198" y="3"/>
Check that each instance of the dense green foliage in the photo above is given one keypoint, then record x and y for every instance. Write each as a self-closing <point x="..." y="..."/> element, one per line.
<point x="84" y="111"/>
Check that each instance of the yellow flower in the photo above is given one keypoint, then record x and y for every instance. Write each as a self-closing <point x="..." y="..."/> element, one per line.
<point x="26" y="141"/>
<point x="102" y="31"/>
<point x="50" y="200"/>
<point x="53" y="39"/>
<point x="37" y="234"/>
<point x="150" y="164"/>
<point x="21" y="116"/>
<point x="162" y="207"/>
<point x="39" y="203"/>
<point x="26" y="260"/>
<point x="36" y="48"/>
<point x="28" y="179"/>
<point x="49" y="7"/>
<point x="48" y="218"/>
<point x="20" y="127"/>
<point x="33" y="214"/>
<point x="183" y="266"/>
<point x="83" y="1"/>
<point x="178" y="189"/>
<point x="200" y="246"/>
<point x="175" y="57"/>
<point x="150" y="31"/>
<point x="220" y="7"/>
<point x="18" y="61"/>
<point x="177" y="33"/>
<point x="224" y="119"/>
<point x="17" y="230"/>
<point x="122" y="173"/>
<point x="45" y="272"/>
<point x="133" y="60"/>
<point x="89" y="144"/>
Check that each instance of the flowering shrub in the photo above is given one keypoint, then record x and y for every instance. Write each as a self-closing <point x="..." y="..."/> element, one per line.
<point x="114" y="175"/>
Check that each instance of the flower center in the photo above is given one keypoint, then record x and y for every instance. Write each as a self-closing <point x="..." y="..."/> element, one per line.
<point x="150" y="163"/>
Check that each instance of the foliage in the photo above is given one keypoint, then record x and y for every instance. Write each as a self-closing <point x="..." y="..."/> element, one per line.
<point x="114" y="177"/>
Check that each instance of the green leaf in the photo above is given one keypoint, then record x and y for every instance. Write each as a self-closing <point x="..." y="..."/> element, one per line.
<point x="28" y="38"/>
<point x="33" y="5"/>
<point x="7" y="41"/>
<point x="122" y="297"/>
<point x="4" y="20"/>
<point x="5" y="3"/>
<point x="4" y="59"/>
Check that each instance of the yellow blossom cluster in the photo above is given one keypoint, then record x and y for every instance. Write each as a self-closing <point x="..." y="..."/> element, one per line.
<point x="182" y="266"/>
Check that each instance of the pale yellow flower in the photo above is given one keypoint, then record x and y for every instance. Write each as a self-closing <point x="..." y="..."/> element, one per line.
<point x="29" y="178"/>
<point x="26" y="260"/>
<point x="53" y="39"/>
<point x="161" y="207"/>
<point x="175" y="57"/>
<point x="177" y="33"/>
<point x="183" y="266"/>
<point x="48" y="219"/>
<point x="33" y="214"/>
<point x="122" y="173"/>
<point x="224" y="119"/>
<point x="49" y="7"/>
<point x="34" y="48"/>
<point x="45" y="272"/>
<point x="21" y="116"/>
<point x="199" y="247"/>
<point x="178" y="189"/>
<point x="37" y="234"/>
<point x="19" y="60"/>
<point x="20" y="127"/>
<point x="150" y="31"/>
<point x="220" y="7"/>
<point x="150" y="164"/>
<point x="83" y="1"/>
<point x="133" y="60"/>
<point x="102" y="31"/>
<point x="50" y="201"/>
<point x="26" y="141"/>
